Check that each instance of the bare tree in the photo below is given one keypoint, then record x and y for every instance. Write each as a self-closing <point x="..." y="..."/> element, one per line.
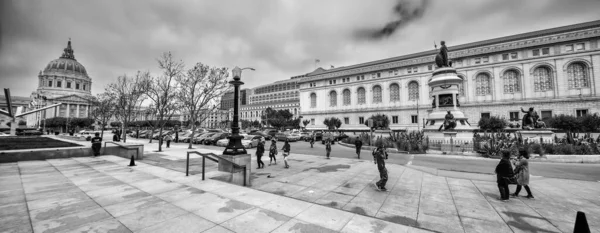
<point x="103" y="110"/>
<point x="163" y="91"/>
<point x="128" y="94"/>
<point x="200" y="91"/>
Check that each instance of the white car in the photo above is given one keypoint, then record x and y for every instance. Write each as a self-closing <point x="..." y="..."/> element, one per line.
<point x="4" y="134"/>
<point x="223" y="142"/>
<point x="251" y="141"/>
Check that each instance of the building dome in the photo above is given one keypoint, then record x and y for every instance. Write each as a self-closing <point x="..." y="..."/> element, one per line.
<point x="66" y="65"/>
<point x="64" y="76"/>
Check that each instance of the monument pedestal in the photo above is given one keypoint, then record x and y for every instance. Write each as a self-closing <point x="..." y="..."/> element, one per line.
<point x="237" y="174"/>
<point x="536" y="135"/>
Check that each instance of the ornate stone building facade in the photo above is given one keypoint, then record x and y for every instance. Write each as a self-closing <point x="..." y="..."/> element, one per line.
<point x="556" y="71"/>
<point x="63" y="80"/>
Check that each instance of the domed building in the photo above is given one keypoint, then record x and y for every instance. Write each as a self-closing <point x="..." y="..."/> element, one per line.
<point x="63" y="80"/>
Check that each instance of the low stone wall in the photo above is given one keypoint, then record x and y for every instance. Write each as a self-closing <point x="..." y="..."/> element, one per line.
<point x="569" y="158"/>
<point x="124" y="150"/>
<point x="74" y="138"/>
<point x="371" y="148"/>
<point x="42" y="154"/>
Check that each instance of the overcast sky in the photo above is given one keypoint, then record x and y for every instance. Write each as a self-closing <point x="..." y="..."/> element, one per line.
<point x="279" y="38"/>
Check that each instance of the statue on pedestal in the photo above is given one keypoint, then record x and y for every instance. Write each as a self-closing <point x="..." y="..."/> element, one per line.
<point x="531" y="120"/>
<point x="449" y="122"/>
<point x="441" y="59"/>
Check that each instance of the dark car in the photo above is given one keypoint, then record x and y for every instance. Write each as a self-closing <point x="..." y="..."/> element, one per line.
<point x="29" y="133"/>
<point x="216" y="137"/>
<point x="318" y="136"/>
<point x="258" y="133"/>
<point x="200" y="139"/>
<point x="270" y="132"/>
<point x="341" y="137"/>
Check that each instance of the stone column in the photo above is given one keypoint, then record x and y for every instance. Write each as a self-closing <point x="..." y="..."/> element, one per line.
<point x="454" y="96"/>
<point x="437" y="102"/>
<point x="77" y="111"/>
<point x="68" y="111"/>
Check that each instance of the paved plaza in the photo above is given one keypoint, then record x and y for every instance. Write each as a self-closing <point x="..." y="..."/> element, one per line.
<point x="314" y="195"/>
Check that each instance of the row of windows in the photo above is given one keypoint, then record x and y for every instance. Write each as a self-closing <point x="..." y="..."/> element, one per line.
<point x="577" y="77"/>
<point x="277" y="87"/>
<point x="259" y="113"/>
<point x="413" y="94"/>
<point x="77" y="86"/>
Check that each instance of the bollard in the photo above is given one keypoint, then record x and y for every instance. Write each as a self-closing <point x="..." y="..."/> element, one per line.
<point x="132" y="162"/>
<point x="581" y="224"/>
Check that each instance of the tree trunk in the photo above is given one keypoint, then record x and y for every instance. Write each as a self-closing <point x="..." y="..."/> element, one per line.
<point x="151" y="133"/>
<point x="122" y="131"/>
<point x="192" y="135"/>
<point x="160" y="138"/>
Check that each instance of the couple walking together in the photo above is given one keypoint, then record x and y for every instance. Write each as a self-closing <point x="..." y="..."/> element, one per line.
<point x="260" y="150"/>
<point x="505" y="174"/>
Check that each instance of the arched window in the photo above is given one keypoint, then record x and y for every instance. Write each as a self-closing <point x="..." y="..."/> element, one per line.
<point x="332" y="99"/>
<point x="578" y="75"/>
<point x="313" y="100"/>
<point x="541" y="79"/>
<point x="482" y="84"/>
<point x="346" y="94"/>
<point x="394" y="92"/>
<point x="413" y="91"/>
<point x="377" y="94"/>
<point x="511" y="81"/>
<point x="361" y="95"/>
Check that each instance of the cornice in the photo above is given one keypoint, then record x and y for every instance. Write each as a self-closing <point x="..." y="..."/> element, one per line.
<point x="429" y="56"/>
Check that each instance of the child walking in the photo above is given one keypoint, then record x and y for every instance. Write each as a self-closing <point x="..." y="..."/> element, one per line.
<point x="286" y="152"/>
<point x="273" y="152"/>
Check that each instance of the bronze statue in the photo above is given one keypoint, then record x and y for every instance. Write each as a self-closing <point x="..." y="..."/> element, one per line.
<point x="449" y="122"/>
<point x="441" y="59"/>
<point x="531" y="120"/>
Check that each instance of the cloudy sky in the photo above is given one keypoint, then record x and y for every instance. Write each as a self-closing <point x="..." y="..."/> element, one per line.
<point x="279" y="38"/>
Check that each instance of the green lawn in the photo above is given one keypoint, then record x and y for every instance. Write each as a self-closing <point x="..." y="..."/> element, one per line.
<point x="31" y="142"/>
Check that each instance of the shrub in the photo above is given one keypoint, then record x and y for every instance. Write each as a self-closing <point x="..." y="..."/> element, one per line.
<point x="493" y="123"/>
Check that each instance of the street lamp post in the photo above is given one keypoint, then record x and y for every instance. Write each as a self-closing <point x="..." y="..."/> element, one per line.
<point x="235" y="147"/>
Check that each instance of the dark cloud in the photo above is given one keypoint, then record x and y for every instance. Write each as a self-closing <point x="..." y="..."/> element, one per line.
<point x="279" y="38"/>
<point x="404" y="11"/>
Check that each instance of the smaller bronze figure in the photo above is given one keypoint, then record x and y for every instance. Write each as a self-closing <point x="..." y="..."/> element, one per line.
<point x="449" y="122"/>
<point x="531" y="120"/>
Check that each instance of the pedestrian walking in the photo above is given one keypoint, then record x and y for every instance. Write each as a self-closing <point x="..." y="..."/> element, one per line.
<point x="312" y="141"/>
<point x="504" y="172"/>
<point x="328" y="147"/>
<point x="273" y="152"/>
<point x="522" y="174"/>
<point x="115" y="138"/>
<point x="96" y="144"/>
<point x="286" y="152"/>
<point x="378" y="158"/>
<point x="358" y="145"/>
<point x="168" y="138"/>
<point x="260" y="150"/>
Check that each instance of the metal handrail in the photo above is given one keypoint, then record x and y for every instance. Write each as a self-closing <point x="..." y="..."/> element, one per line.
<point x="207" y="155"/>
<point x="137" y="152"/>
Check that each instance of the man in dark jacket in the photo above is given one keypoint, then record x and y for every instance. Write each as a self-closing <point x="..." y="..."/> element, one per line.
<point x="260" y="150"/>
<point x="286" y="152"/>
<point x="358" y="145"/>
<point x="504" y="170"/>
<point x="96" y="144"/>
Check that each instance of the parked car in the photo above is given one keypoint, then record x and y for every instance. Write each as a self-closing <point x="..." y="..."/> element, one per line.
<point x="157" y="135"/>
<point x="341" y="136"/>
<point x="305" y="136"/>
<point x="223" y="142"/>
<point x="200" y="138"/>
<point x="318" y="135"/>
<point x="216" y="137"/>
<point x="2" y="134"/>
<point x="29" y="133"/>
<point x="259" y="133"/>
<point x="283" y="137"/>
<point x="271" y="132"/>
<point x="251" y="141"/>
<point x="294" y="136"/>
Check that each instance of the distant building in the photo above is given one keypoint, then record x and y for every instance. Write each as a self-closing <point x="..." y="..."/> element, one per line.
<point x="280" y="95"/>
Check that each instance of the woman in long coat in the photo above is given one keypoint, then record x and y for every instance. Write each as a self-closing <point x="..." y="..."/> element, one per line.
<point x="522" y="171"/>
